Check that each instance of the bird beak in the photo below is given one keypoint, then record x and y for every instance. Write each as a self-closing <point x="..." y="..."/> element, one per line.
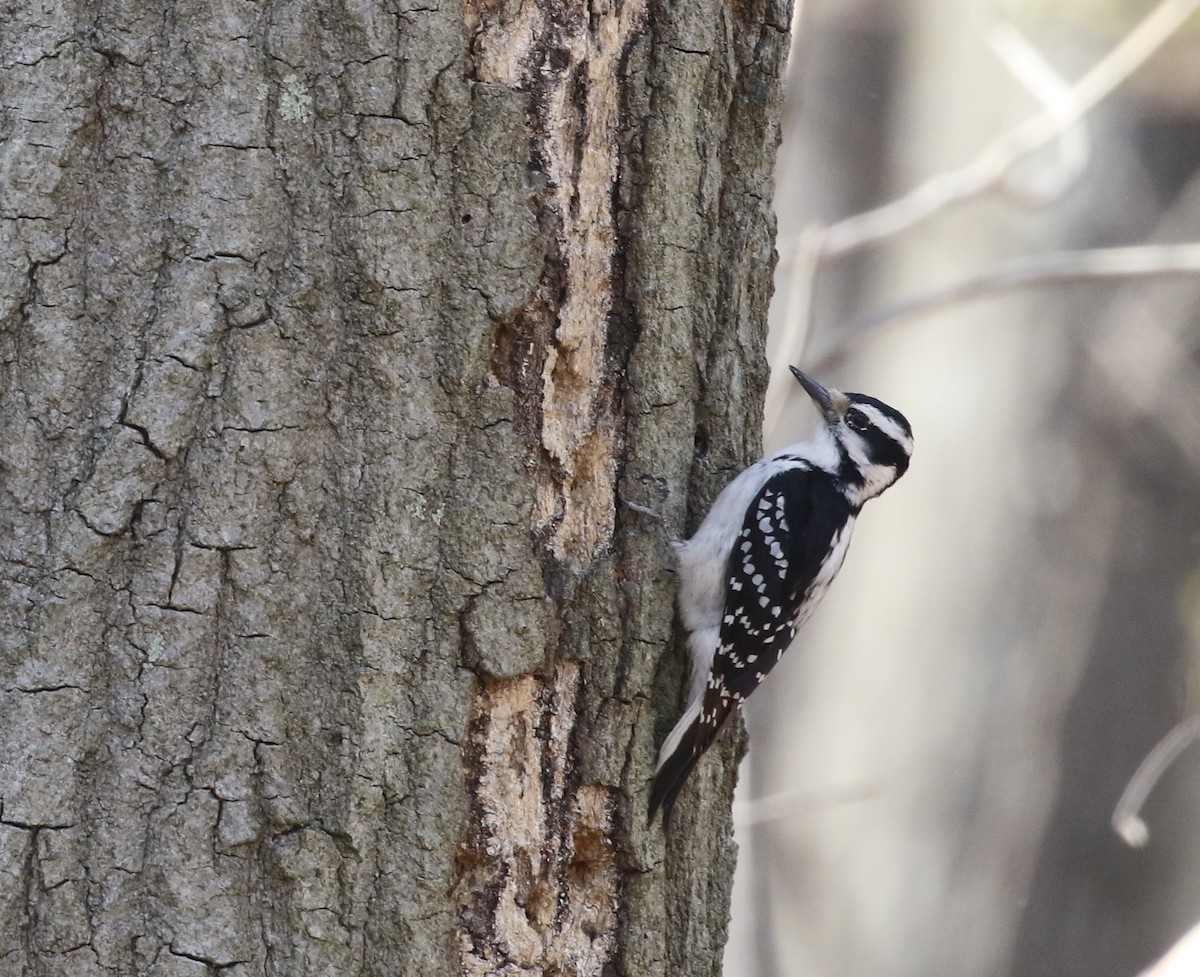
<point x="831" y="403"/>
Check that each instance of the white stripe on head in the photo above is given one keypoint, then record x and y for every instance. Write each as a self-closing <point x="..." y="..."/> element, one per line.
<point x="888" y="425"/>
<point x="856" y="447"/>
<point x="875" y="476"/>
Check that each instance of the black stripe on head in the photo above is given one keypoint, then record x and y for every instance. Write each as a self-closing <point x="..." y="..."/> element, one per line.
<point x="885" y="451"/>
<point x="882" y="446"/>
<point x="884" y="409"/>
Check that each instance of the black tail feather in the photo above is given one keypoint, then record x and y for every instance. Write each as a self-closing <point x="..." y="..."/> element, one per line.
<point x="673" y="772"/>
<point x="669" y="781"/>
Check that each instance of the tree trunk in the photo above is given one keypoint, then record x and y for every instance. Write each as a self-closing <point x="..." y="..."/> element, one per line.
<point x="329" y="337"/>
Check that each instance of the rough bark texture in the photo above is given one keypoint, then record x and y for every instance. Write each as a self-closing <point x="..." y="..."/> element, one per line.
<point x="329" y="335"/>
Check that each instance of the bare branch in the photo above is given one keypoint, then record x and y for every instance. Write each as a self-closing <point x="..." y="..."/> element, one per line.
<point x="1126" y="819"/>
<point x="796" y="327"/>
<point x="795" y="803"/>
<point x="1062" y="110"/>
<point x="1028" y="271"/>
<point x="992" y="165"/>
<point x="1027" y="65"/>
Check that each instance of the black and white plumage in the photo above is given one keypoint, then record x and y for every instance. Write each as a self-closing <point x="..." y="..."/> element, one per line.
<point x="763" y="558"/>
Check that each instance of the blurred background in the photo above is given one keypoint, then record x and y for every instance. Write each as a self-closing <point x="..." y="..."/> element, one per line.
<point x="934" y="768"/>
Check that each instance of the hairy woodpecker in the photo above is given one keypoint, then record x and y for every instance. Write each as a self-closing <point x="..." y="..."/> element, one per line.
<point x="763" y="557"/>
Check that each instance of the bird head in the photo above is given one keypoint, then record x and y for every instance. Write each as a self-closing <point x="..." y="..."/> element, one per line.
<point x="873" y="441"/>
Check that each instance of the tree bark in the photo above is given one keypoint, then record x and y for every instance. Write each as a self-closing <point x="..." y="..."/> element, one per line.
<point x="329" y="337"/>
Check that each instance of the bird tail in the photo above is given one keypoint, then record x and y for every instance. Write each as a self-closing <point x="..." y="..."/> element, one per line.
<point x="680" y="753"/>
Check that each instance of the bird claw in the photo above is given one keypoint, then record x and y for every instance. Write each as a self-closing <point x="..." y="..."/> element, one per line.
<point x="661" y="485"/>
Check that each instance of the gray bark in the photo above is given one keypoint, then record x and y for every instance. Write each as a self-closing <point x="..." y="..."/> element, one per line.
<point x="328" y="336"/>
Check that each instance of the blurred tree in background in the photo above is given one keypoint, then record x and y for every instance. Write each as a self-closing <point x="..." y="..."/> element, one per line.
<point x="934" y="769"/>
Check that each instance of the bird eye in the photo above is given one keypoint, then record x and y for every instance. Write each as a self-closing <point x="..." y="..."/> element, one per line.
<point x="857" y="421"/>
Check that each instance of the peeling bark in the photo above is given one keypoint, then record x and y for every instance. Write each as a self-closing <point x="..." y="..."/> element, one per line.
<point x="539" y="888"/>
<point x="327" y="337"/>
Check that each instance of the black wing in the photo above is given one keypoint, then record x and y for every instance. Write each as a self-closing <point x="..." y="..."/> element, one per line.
<point x="785" y="539"/>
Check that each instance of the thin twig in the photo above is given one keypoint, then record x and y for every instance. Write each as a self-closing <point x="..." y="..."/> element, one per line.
<point x="796" y="327"/>
<point x="991" y="165"/>
<point x="1028" y="271"/>
<point x="794" y="803"/>
<point x="1126" y="819"/>
<point x="1053" y="93"/>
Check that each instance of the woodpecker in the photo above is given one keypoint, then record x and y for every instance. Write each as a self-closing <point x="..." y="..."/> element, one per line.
<point x="763" y="558"/>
